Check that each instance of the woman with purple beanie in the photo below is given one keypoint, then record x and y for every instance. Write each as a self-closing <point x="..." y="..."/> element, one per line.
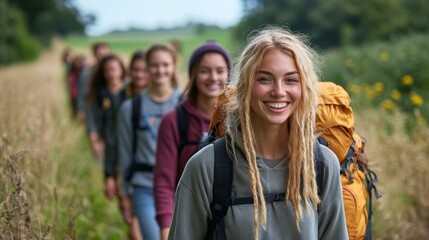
<point x="209" y="68"/>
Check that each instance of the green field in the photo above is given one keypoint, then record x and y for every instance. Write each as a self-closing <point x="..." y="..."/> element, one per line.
<point x="126" y="43"/>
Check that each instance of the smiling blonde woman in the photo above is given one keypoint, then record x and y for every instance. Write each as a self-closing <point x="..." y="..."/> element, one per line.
<point x="270" y="128"/>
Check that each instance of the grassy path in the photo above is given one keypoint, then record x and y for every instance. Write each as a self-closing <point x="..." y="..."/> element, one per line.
<point x="51" y="185"/>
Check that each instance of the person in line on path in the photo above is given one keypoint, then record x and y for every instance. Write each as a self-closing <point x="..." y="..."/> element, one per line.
<point x="78" y="64"/>
<point x="104" y="99"/>
<point x="139" y="76"/>
<point x="137" y="141"/>
<point x="270" y="135"/>
<point x="99" y="50"/>
<point x="209" y="67"/>
<point x="138" y="82"/>
<point x="67" y="60"/>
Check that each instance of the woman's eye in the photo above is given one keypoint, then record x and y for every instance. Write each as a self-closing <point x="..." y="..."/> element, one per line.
<point x="203" y="71"/>
<point x="264" y="80"/>
<point x="291" y="80"/>
<point x="221" y="71"/>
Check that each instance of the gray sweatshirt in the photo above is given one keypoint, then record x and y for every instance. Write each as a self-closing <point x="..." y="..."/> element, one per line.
<point x="151" y="113"/>
<point x="194" y="195"/>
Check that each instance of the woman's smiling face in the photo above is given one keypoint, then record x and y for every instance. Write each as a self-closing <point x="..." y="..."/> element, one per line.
<point x="161" y="67"/>
<point x="212" y="75"/>
<point x="277" y="89"/>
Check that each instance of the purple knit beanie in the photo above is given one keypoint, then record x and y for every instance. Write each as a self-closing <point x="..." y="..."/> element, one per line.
<point x="209" y="46"/>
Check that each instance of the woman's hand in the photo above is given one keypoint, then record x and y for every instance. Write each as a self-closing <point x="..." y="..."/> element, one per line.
<point x="126" y="209"/>
<point x="96" y="146"/>
<point x="110" y="188"/>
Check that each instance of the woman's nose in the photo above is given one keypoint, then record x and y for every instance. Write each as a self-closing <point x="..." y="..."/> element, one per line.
<point x="278" y="89"/>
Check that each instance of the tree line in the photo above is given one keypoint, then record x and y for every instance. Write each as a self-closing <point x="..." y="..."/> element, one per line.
<point x="332" y="23"/>
<point x="27" y="26"/>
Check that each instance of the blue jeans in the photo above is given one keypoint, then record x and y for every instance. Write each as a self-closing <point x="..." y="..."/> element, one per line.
<point x="144" y="209"/>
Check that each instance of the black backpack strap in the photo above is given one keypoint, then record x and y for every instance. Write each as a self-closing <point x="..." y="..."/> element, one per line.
<point x="136" y="105"/>
<point x="371" y="179"/>
<point x="348" y="161"/>
<point x="183" y="124"/>
<point x="222" y="184"/>
<point x="135" y="120"/>
<point x="319" y="166"/>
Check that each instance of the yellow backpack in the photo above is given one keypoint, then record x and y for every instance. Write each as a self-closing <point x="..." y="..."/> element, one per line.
<point x="335" y="123"/>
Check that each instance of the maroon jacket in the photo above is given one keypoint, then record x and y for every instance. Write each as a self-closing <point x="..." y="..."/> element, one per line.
<point x="169" y="165"/>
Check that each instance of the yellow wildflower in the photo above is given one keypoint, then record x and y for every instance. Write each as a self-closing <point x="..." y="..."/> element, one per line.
<point x="384" y="56"/>
<point x="416" y="99"/>
<point x="354" y="88"/>
<point x="407" y="80"/>
<point x="378" y="87"/>
<point x="388" y="105"/>
<point x="396" y="95"/>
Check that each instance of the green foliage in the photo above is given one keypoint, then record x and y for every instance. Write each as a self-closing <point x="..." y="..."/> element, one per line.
<point x="16" y="44"/>
<point x="392" y="76"/>
<point x="45" y="18"/>
<point x="339" y="22"/>
<point x="24" y="25"/>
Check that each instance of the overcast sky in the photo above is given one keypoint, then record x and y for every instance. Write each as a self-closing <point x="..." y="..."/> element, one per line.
<point x="151" y="14"/>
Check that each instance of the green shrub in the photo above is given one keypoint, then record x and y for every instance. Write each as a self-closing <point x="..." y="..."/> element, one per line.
<point x="16" y="44"/>
<point x="391" y="76"/>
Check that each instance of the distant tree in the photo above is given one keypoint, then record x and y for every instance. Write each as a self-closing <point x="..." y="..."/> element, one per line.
<point x="16" y="44"/>
<point x="24" y="24"/>
<point x="338" y="22"/>
<point x="44" y="18"/>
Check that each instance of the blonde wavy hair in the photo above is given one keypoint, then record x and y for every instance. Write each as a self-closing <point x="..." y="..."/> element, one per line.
<point x="301" y="124"/>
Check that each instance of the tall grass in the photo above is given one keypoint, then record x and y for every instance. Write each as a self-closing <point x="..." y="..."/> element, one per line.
<point x="400" y="160"/>
<point x="51" y="188"/>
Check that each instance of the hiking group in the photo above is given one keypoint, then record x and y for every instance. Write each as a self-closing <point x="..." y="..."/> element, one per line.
<point x="279" y="158"/>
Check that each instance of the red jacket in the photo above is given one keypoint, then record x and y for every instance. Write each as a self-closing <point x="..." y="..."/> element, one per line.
<point x="169" y="165"/>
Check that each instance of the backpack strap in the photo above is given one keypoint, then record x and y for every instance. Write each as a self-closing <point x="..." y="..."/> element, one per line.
<point x="348" y="161"/>
<point x="371" y="179"/>
<point x="135" y="118"/>
<point x="319" y="167"/>
<point x="183" y="124"/>
<point x="222" y="183"/>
